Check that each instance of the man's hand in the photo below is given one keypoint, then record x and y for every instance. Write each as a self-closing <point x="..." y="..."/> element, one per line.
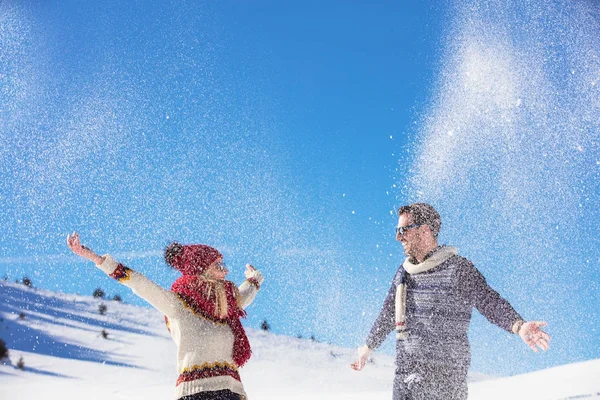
<point x="533" y="336"/>
<point x="364" y="352"/>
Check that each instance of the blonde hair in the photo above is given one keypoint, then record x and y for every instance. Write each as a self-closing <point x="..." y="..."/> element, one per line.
<point x="215" y="289"/>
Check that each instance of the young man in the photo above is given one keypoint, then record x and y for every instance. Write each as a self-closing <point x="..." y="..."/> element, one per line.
<point x="429" y="305"/>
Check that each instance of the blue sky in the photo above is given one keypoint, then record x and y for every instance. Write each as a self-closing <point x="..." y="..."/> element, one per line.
<point x="286" y="134"/>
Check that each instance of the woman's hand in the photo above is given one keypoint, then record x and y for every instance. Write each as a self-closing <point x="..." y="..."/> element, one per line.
<point x="252" y="274"/>
<point x="76" y="247"/>
<point x="249" y="272"/>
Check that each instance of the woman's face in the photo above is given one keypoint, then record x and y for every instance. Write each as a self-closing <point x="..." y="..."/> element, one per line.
<point x="217" y="270"/>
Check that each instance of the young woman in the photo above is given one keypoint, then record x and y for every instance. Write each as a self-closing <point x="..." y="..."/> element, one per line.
<point x="202" y="311"/>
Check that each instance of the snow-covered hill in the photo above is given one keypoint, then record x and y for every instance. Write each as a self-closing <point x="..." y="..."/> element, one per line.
<point x="59" y="338"/>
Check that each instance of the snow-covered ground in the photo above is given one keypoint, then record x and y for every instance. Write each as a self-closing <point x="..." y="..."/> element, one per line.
<point x="59" y="339"/>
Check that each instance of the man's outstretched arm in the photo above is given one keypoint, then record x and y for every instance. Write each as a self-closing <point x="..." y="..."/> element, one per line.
<point x="382" y="327"/>
<point x="499" y="311"/>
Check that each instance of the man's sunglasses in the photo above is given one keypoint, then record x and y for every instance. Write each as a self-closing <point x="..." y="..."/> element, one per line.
<point x="401" y="230"/>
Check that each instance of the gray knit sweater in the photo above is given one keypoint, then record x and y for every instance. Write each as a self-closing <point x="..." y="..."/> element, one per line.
<point x="439" y="304"/>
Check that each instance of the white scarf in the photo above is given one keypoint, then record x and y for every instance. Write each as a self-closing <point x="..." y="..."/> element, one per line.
<point x="441" y="255"/>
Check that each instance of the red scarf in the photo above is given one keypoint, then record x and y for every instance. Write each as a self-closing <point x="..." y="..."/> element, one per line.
<point x="201" y="296"/>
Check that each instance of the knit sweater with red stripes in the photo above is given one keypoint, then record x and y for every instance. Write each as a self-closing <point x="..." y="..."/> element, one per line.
<point x="439" y="305"/>
<point x="204" y="347"/>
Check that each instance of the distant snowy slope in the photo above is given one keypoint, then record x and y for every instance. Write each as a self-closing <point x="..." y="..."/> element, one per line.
<point x="66" y="357"/>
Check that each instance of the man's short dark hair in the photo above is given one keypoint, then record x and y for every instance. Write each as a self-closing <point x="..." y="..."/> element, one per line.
<point x="423" y="214"/>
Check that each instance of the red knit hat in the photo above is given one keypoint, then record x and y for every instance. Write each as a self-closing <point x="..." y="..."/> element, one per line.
<point x="191" y="259"/>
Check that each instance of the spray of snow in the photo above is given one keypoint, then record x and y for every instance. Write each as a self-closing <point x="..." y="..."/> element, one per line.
<point x="508" y="150"/>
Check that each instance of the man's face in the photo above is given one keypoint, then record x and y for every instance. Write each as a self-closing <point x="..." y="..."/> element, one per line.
<point x="411" y="238"/>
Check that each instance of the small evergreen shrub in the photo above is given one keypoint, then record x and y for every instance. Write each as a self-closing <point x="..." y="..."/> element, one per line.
<point x="265" y="326"/>
<point x="102" y="309"/>
<point x="98" y="294"/>
<point x="3" y="350"/>
<point x="26" y="281"/>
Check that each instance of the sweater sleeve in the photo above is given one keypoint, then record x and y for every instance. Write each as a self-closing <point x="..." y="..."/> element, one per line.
<point x="163" y="300"/>
<point x="488" y="302"/>
<point x="249" y="288"/>
<point x="385" y="322"/>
